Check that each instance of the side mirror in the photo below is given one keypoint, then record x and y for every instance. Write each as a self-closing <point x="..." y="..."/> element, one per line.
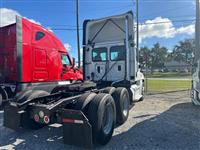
<point x="73" y="62"/>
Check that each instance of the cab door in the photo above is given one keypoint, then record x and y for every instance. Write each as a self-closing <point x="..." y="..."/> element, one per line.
<point x="40" y="48"/>
<point x="99" y="63"/>
<point x="116" y="63"/>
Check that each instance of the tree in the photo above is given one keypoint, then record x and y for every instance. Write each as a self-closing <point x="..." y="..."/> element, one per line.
<point x="153" y="58"/>
<point x="159" y="56"/>
<point x="183" y="51"/>
<point x="144" y="57"/>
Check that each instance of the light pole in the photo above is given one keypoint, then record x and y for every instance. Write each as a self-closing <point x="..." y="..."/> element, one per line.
<point x="78" y="38"/>
<point x="137" y="42"/>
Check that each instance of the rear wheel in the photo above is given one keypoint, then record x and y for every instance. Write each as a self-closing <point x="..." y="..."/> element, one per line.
<point x="102" y="117"/>
<point x="83" y="101"/>
<point x="109" y="90"/>
<point x="122" y="102"/>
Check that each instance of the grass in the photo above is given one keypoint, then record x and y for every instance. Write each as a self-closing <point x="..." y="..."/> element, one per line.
<point x="168" y="75"/>
<point x="159" y="86"/>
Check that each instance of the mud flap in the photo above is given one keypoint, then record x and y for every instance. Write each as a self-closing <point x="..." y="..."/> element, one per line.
<point x="76" y="129"/>
<point x="13" y="117"/>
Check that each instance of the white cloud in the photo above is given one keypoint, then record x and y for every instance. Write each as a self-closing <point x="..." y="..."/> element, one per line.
<point x="190" y="30"/>
<point x="152" y="28"/>
<point x="68" y="46"/>
<point x="8" y="16"/>
<point x="163" y="28"/>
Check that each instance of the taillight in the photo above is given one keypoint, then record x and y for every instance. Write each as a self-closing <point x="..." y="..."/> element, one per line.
<point x="36" y="118"/>
<point x="46" y="119"/>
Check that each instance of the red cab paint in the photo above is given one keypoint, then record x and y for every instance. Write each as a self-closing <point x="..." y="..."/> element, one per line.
<point x="33" y="58"/>
<point x="29" y="53"/>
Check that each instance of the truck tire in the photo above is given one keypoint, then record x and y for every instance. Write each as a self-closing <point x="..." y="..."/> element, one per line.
<point x="102" y="117"/>
<point x="83" y="101"/>
<point x="109" y="90"/>
<point x="31" y="124"/>
<point x="122" y="102"/>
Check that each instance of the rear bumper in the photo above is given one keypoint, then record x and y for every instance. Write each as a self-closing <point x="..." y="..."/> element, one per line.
<point x="76" y="127"/>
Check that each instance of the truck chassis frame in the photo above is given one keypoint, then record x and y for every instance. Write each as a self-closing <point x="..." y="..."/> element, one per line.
<point x="56" y="108"/>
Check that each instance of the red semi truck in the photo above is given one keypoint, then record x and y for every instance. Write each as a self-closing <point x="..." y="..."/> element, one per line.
<point x="32" y="58"/>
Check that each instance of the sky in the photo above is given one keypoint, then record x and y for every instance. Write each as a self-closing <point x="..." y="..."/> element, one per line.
<point x="163" y="21"/>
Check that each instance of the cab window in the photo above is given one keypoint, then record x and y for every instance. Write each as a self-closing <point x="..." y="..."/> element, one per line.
<point x="65" y="60"/>
<point x="117" y="53"/>
<point x="99" y="54"/>
<point x="39" y="35"/>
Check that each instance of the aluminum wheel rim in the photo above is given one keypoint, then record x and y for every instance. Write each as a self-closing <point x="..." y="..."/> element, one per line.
<point x="125" y="105"/>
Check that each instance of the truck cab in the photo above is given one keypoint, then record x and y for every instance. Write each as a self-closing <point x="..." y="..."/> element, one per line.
<point x="32" y="57"/>
<point x="110" y="53"/>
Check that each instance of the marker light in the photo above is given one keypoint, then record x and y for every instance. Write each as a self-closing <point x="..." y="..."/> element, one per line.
<point x="41" y="114"/>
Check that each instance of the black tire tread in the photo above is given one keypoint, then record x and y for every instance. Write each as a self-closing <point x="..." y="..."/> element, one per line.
<point x="83" y="101"/>
<point x="120" y="118"/>
<point x="109" y="90"/>
<point x="93" y="115"/>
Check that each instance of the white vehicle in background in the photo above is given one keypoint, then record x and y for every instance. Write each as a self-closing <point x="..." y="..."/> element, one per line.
<point x="195" y="94"/>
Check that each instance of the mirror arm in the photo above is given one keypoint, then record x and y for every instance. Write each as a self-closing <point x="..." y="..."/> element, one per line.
<point x="73" y="62"/>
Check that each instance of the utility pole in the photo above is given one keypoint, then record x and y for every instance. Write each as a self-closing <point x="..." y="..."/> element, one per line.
<point x="197" y="30"/>
<point x="137" y="42"/>
<point x="78" y="38"/>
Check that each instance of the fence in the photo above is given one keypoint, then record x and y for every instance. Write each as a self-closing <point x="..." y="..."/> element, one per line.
<point x="167" y="80"/>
